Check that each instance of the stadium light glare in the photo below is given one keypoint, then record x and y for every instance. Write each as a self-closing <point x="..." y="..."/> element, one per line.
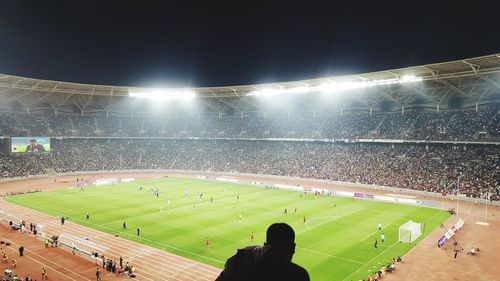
<point x="266" y="92"/>
<point x="274" y="92"/>
<point x="158" y="94"/>
<point x="299" y="90"/>
<point x="331" y="87"/>
<point x="410" y="78"/>
<point x="334" y="87"/>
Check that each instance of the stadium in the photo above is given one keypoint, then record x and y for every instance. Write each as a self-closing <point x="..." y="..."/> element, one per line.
<point x="415" y="150"/>
<point x="249" y="141"/>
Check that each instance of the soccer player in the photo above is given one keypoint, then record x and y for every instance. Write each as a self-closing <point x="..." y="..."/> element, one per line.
<point x="138" y="231"/>
<point x="207" y="243"/>
<point x="304" y="220"/>
<point x="375" y="245"/>
<point x="124" y="225"/>
<point x="382" y="237"/>
<point x="251" y="236"/>
<point x="240" y="218"/>
<point x="286" y="211"/>
<point x="379" y="226"/>
<point x="87" y="217"/>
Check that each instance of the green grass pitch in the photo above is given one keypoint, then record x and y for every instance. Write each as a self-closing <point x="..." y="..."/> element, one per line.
<point x="335" y="243"/>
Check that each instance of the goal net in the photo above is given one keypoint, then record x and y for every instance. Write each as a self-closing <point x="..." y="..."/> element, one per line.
<point x="409" y="232"/>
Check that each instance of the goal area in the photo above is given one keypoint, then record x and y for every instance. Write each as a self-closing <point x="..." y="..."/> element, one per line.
<point x="409" y="232"/>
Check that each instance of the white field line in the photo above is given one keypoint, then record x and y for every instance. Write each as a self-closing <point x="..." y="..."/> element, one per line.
<point x="166" y="209"/>
<point x="161" y="267"/>
<point x="141" y="238"/>
<point x="373" y="233"/>
<point x="151" y="263"/>
<point x="177" y="261"/>
<point x="328" y="221"/>
<point x="437" y="213"/>
<point x="328" y="255"/>
<point x="370" y="261"/>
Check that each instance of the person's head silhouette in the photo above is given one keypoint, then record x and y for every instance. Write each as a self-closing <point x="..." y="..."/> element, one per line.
<point x="281" y="237"/>
<point x="270" y="262"/>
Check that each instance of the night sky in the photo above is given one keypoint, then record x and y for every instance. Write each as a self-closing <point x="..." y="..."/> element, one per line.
<point x="215" y="43"/>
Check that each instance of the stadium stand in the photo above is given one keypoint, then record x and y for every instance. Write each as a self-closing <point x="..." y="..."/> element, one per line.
<point x="413" y="166"/>
<point x="461" y="125"/>
<point x="420" y="135"/>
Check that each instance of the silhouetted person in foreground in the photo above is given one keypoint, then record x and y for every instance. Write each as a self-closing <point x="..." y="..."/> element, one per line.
<point x="273" y="261"/>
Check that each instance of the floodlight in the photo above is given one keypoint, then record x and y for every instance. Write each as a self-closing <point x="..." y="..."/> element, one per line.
<point x="159" y="94"/>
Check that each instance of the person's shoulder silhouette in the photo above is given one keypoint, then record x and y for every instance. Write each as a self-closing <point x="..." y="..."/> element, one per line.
<point x="273" y="261"/>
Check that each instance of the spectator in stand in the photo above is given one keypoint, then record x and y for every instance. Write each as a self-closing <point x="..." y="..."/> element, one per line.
<point x="273" y="261"/>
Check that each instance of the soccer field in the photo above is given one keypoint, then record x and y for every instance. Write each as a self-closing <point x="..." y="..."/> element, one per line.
<point x="335" y="243"/>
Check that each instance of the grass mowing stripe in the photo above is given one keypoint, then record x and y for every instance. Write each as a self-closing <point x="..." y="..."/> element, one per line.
<point x="141" y="238"/>
<point x="371" y="260"/>
<point x="332" y="256"/>
<point x="367" y="236"/>
<point x="329" y="243"/>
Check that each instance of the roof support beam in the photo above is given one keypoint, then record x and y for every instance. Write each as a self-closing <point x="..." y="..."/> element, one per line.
<point x="435" y="74"/>
<point x="474" y="67"/>
<point x="490" y="81"/>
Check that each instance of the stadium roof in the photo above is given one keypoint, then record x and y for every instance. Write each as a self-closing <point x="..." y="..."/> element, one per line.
<point x="474" y="79"/>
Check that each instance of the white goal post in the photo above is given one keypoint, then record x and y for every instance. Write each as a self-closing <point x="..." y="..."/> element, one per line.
<point x="409" y="232"/>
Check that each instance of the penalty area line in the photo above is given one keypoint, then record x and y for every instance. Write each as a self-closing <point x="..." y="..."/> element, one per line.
<point x="332" y="256"/>
<point x="370" y="261"/>
<point x="362" y="239"/>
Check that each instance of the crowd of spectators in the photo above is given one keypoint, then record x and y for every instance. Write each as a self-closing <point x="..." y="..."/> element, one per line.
<point x="415" y="125"/>
<point x="435" y="168"/>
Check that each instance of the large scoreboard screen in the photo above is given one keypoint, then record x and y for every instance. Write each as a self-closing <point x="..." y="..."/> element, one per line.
<point x="30" y="144"/>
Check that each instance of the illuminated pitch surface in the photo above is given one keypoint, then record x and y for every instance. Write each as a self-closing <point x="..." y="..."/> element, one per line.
<point x="335" y="243"/>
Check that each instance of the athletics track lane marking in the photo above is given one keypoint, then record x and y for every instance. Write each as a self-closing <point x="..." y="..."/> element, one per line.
<point x="127" y="234"/>
<point x="35" y="254"/>
<point x="183" y="269"/>
<point x="163" y="267"/>
<point x="34" y="213"/>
